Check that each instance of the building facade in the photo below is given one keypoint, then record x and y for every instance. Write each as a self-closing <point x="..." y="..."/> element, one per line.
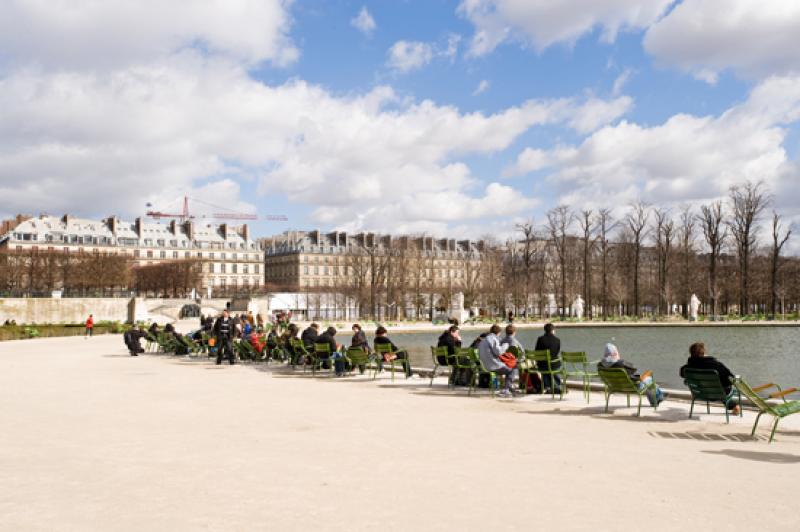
<point x="229" y="257"/>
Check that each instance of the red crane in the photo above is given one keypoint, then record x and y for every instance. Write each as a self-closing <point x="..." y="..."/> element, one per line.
<point x="183" y="216"/>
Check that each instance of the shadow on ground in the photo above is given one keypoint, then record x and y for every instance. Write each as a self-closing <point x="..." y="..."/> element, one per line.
<point x="771" y="458"/>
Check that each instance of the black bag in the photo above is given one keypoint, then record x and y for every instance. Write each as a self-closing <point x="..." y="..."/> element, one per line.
<point x="484" y="380"/>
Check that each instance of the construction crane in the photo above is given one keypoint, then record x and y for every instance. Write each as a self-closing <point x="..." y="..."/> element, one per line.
<point x="185" y="215"/>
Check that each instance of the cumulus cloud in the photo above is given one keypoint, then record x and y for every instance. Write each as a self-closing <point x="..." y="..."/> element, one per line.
<point x="364" y="22"/>
<point x="754" y="39"/>
<point x="687" y="158"/>
<point x="110" y="33"/>
<point x="542" y="23"/>
<point x="405" y="56"/>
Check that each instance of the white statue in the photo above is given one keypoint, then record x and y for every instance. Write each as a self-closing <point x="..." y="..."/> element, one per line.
<point x="694" y="306"/>
<point x="577" y="306"/>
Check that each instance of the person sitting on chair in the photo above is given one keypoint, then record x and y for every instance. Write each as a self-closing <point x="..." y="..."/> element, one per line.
<point x="310" y="336"/>
<point x="611" y="359"/>
<point x="699" y="360"/>
<point x="550" y="342"/>
<point x="329" y="337"/>
<point x="395" y="352"/>
<point x="490" y="350"/>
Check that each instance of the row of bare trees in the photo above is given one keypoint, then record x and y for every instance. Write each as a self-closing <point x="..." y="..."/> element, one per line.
<point x="173" y="278"/>
<point x="648" y="260"/>
<point x="651" y="260"/>
<point x="35" y="272"/>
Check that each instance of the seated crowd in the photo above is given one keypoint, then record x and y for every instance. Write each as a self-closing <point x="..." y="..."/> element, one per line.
<point x="498" y="351"/>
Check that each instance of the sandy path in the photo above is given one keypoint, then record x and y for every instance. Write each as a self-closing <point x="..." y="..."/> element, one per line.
<point x="93" y="439"/>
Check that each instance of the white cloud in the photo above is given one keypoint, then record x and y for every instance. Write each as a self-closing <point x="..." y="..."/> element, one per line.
<point x="595" y="113"/>
<point x="112" y="33"/>
<point x="621" y="81"/>
<point x="704" y="37"/>
<point x="543" y="23"/>
<point x="405" y="56"/>
<point x="687" y="158"/>
<point x="451" y="50"/>
<point x="482" y="87"/>
<point x="109" y="141"/>
<point x="364" y="22"/>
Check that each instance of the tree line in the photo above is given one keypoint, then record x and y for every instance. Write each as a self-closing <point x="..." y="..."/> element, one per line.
<point x="34" y="272"/>
<point x="647" y="262"/>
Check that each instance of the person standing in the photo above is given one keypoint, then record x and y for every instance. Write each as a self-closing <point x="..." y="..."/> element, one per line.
<point x="549" y="341"/>
<point x="224" y="331"/>
<point x="89" y="326"/>
<point x="489" y="350"/>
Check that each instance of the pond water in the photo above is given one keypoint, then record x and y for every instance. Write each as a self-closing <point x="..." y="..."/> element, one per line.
<point x="759" y="354"/>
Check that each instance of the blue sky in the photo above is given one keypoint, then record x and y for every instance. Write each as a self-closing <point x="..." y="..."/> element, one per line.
<point x="447" y="117"/>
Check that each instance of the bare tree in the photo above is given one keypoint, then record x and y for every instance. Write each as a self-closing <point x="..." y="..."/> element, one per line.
<point x="715" y="234"/>
<point x="778" y="241"/>
<point x="605" y="224"/>
<point x="748" y="202"/>
<point x="636" y="220"/>
<point x="559" y="220"/>
<point x="528" y="257"/>
<point x="587" y="224"/>
<point x="664" y="232"/>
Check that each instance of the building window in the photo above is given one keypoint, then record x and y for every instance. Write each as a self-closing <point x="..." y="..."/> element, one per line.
<point x="163" y="254"/>
<point x="136" y="253"/>
<point x="222" y="256"/>
<point x="174" y="254"/>
<point x="149" y="254"/>
<point x="245" y="269"/>
<point x="160" y="243"/>
<point x="222" y="268"/>
<point x="256" y="269"/>
<point x="233" y="268"/>
<point x="187" y="254"/>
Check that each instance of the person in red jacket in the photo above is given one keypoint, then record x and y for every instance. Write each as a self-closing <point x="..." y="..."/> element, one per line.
<point x="89" y="327"/>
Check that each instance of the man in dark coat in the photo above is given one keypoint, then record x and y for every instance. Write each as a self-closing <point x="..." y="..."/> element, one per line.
<point x="550" y="342"/>
<point x="699" y="360"/>
<point x="224" y="331"/>
<point x="310" y="336"/>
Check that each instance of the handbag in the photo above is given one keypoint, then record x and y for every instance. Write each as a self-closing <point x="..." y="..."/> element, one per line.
<point x="509" y="360"/>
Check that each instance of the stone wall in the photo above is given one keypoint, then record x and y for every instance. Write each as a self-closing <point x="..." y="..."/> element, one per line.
<point x="67" y="310"/>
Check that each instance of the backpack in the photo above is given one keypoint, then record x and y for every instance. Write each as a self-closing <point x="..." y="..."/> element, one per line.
<point x="534" y="384"/>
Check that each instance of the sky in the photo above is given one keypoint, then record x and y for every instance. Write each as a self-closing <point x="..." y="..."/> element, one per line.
<point x="455" y="118"/>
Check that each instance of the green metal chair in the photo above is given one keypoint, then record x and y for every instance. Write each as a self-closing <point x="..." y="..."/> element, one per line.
<point x="300" y="353"/>
<point x="494" y="379"/>
<point x="704" y="385"/>
<point x="358" y="356"/>
<point x="532" y="359"/>
<point x="575" y="365"/>
<point x="465" y="359"/>
<point x="322" y="353"/>
<point x="779" y="411"/>
<point x="439" y="356"/>
<point x="617" y="380"/>
<point x="384" y="349"/>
